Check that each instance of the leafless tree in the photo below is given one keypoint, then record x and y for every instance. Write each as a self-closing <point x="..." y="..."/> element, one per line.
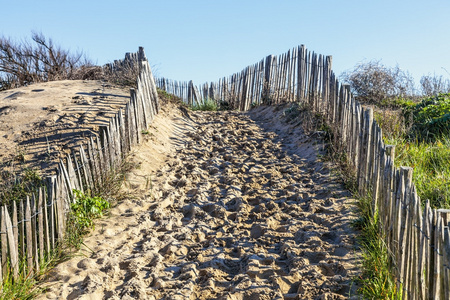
<point x="373" y="82"/>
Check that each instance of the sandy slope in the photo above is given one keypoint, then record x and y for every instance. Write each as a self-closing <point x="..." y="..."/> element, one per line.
<point x="226" y="206"/>
<point x="40" y="123"/>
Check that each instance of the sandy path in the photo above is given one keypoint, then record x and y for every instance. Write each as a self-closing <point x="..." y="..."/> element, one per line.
<point x="240" y="209"/>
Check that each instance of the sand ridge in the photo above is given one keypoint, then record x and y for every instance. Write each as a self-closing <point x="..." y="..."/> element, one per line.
<point x="226" y="205"/>
<point x="42" y="122"/>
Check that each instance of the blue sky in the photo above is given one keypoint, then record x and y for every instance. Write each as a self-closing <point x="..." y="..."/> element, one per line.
<point x="206" y="40"/>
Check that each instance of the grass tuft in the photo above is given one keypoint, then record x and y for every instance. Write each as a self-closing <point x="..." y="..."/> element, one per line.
<point x="206" y="105"/>
<point x="15" y="187"/>
<point x="377" y="280"/>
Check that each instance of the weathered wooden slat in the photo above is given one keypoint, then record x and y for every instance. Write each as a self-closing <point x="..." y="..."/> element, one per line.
<point x="105" y="149"/>
<point x="59" y="207"/>
<point x="125" y="121"/>
<point x="94" y="164"/>
<point x="78" y="171"/>
<point x="64" y="173"/>
<point x="112" y="145"/>
<point x="46" y="220"/>
<point x="51" y="199"/>
<point x="13" y="253"/>
<point x="4" y="244"/>
<point x="34" y="232"/>
<point x="437" y="284"/>
<point x="22" y="249"/>
<point x="85" y="168"/>
<point x="404" y="230"/>
<point x="40" y="225"/>
<point x="136" y="115"/>
<point x="117" y="137"/>
<point x="73" y="179"/>
<point x="431" y="253"/>
<point x="447" y="260"/>
<point x="101" y="159"/>
<point x="414" y="243"/>
<point x="15" y="226"/>
<point x="122" y="132"/>
<point x="29" y="236"/>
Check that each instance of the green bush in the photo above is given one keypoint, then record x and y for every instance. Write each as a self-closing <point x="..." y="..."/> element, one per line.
<point x="430" y="117"/>
<point x="87" y="208"/>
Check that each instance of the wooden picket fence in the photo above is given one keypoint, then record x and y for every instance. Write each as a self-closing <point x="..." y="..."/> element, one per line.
<point x="293" y="76"/>
<point x="416" y="235"/>
<point x="32" y="228"/>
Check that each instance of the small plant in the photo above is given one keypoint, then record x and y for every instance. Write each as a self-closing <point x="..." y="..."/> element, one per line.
<point x="207" y="104"/>
<point x="87" y="208"/>
<point x="294" y="111"/>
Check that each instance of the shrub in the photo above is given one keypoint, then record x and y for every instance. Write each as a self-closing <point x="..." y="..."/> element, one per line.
<point x="434" y="85"/>
<point x="430" y="117"/>
<point x="207" y="104"/>
<point x="375" y="83"/>
<point x="87" y="208"/>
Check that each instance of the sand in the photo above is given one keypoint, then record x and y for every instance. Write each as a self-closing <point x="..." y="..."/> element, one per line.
<point x="40" y="123"/>
<point x="223" y="205"/>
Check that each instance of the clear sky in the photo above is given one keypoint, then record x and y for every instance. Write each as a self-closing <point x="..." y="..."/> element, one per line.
<point x="209" y="39"/>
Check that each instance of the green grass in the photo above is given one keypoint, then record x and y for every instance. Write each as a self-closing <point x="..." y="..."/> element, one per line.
<point x="24" y="286"/>
<point x="421" y="134"/>
<point x="86" y="208"/>
<point x="21" y="288"/>
<point x="377" y="280"/>
<point x="206" y="105"/>
<point x="431" y="163"/>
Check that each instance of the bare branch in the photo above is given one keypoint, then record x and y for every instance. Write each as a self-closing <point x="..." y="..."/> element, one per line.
<point x="373" y="82"/>
<point x="23" y="62"/>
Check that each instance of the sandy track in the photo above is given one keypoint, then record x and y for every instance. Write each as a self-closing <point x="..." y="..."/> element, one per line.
<point x="240" y="210"/>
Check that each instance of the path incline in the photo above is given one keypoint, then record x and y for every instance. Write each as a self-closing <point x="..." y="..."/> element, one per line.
<point x="239" y="209"/>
